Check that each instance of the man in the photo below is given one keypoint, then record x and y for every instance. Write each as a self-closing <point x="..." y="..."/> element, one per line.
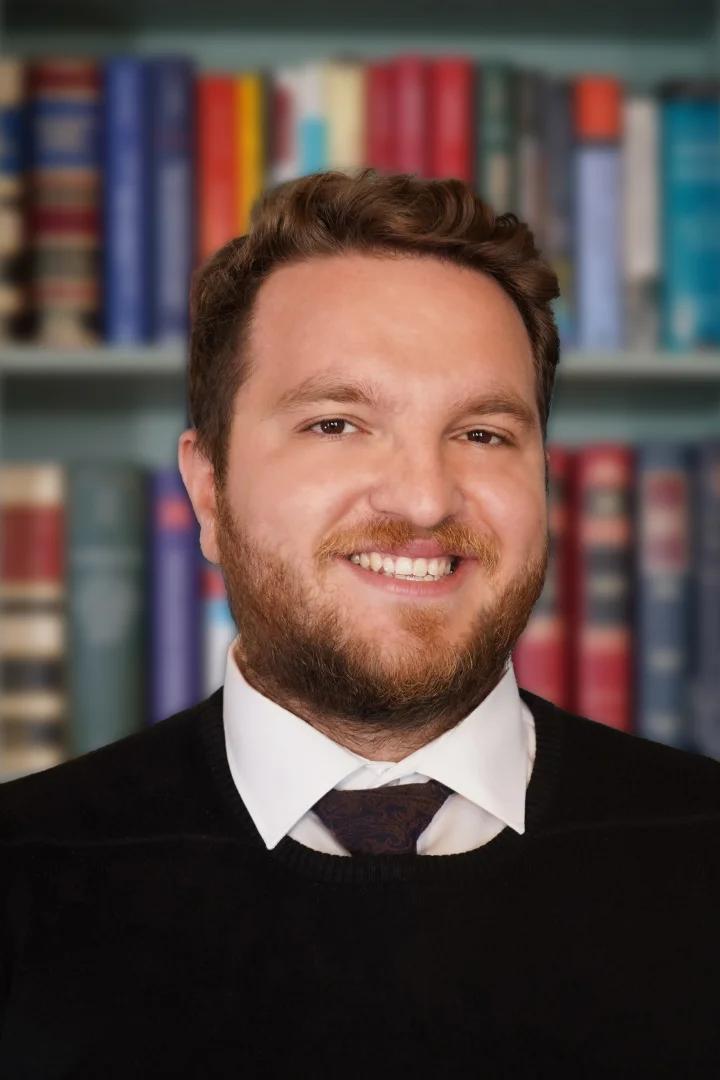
<point x="369" y="852"/>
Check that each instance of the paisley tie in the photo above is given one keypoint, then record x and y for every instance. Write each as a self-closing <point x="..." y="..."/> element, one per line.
<point x="383" y="820"/>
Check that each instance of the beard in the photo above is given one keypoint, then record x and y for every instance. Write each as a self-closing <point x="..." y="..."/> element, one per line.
<point x="297" y="646"/>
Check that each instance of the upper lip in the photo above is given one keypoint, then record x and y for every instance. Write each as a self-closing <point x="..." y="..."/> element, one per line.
<point x="416" y="549"/>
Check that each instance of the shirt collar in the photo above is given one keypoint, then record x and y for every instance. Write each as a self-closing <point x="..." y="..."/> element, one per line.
<point x="282" y="765"/>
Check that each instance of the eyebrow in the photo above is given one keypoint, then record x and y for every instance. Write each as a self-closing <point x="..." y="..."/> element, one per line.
<point x="323" y="387"/>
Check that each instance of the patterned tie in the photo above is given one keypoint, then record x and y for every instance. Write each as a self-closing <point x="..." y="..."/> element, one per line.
<point x="383" y="820"/>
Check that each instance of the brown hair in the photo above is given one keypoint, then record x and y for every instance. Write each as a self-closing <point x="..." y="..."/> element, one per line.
<point x="328" y="213"/>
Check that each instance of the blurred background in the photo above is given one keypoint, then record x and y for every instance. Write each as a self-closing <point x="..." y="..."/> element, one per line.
<point x="134" y="139"/>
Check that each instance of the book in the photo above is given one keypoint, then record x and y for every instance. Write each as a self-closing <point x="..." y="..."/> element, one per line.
<point x="451" y="95"/>
<point x="106" y="520"/>
<point x="126" y="220"/>
<point x="691" y="216"/>
<point x="215" y="163"/>
<point x="380" y="118"/>
<point x="496" y="135"/>
<point x="556" y="162"/>
<point x="249" y="132"/>
<point x="311" y="118"/>
<point x="641" y="220"/>
<point x="173" y="584"/>
<point x="64" y="200"/>
<point x="663" y="562"/>
<point x="172" y="202"/>
<point x="602" y="542"/>
<point x="597" y="215"/>
<point x="33" y="618"/>
<point x="13" y="239"/>
<point x="410" y="79"/>
<point x="345" y="97"/>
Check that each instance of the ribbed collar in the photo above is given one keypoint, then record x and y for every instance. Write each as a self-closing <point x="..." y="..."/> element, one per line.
<point x="281" y="765"/>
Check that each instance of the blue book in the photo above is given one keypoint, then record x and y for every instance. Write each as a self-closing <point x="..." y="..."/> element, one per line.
<point x="556" y="135"/>
<point x="172" y="108"/>
<point x="175" y="654"/>
<point x="664" y="532"/>
<point x="598" y="250"/>
<point x="691" y="218"/>
<point x="126" y="209"/>
<point x="706" y="622"/>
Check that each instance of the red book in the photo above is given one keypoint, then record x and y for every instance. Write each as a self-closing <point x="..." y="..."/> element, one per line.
<point x="411" y="83"/>
<point x="216" y="163"/>
<point x="380" y="118"/>
<point x="541" y="657"/>
<point x="452" y="123"/>
<point x="602" y="569"/>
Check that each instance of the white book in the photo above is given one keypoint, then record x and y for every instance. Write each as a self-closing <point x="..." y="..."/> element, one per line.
<point x="345" y="110"/>
<point x="641" y="218"/>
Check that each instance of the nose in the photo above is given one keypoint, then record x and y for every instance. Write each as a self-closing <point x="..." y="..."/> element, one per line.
<point x="417" y="484"/>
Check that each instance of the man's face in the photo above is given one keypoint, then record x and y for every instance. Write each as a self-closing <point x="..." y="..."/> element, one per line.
<point x="318" y="632"/>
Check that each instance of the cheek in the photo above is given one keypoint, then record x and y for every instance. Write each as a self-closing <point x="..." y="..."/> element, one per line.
<point x="515" y="510"/>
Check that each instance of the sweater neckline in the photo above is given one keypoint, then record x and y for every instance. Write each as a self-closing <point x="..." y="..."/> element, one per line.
<point x="357" y="869"/>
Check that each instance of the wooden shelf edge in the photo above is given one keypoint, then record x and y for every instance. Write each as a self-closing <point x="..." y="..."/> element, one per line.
<point x="27" y="361"/>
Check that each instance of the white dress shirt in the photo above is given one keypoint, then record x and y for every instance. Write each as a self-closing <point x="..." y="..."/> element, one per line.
<point x="282" y="765"/>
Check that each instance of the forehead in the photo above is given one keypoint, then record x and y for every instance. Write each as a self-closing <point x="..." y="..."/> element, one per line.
<point x="398" y="316"/>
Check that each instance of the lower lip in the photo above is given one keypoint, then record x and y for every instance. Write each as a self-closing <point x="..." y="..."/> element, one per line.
<point x="428" y="589"/>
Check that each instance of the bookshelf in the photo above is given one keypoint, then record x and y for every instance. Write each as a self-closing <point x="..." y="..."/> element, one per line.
<point x="131" y="402"/>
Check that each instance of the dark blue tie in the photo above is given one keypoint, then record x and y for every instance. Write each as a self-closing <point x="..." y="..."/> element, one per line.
<point x="383" y="820"/>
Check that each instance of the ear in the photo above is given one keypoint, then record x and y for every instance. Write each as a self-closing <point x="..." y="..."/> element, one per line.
<point x="198" y="476"/>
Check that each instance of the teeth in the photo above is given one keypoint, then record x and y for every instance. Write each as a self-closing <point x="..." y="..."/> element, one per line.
<point x="404" y="567"/>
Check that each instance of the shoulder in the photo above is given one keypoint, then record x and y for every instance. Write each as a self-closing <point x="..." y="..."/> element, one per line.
<point x="605" y="774"/>
<point x="147" y="783"/>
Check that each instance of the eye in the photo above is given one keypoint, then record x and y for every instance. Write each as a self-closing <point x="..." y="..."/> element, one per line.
<point x="336" y="420"/>
<point x="491" y="434"/>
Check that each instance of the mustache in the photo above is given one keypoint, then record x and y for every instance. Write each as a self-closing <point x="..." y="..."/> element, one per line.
<point x="454" y="538"/>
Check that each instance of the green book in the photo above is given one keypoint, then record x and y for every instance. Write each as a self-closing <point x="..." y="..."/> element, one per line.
<point x="496" y="161"/>
<point x="106" y="522"/>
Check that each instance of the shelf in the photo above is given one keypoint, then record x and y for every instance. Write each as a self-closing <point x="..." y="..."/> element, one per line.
<point x="28" y="362"/>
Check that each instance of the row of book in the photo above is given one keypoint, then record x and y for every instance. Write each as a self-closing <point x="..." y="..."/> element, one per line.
<point x="112" y="618"/>
<point x="119" y="176"/>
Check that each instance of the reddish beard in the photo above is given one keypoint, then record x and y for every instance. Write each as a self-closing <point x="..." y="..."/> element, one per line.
<point x="305" y="655"/>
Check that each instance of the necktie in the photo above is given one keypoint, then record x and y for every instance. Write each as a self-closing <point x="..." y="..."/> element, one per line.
<point x="382" y="820"/>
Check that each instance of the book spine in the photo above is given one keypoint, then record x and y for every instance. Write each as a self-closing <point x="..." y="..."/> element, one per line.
<point x="219" y="628"/>
<point x="33" y="637"/>
<point x="603" y="584"/>
<point x="380" y="116"/>
<point x="706" y="599"/>
<point x="106" y="521"/>
<point x="174" y="678"/>
<point x="13" y="151"/>
<point x="598" y="231"/>
<point x="285" y="150"/>
<point x="541" y="656"/>
<point x="345" y="97"/>
<point x="311" y="119"/>
<point x="529" y="195"/>
<point x="662" y="597"/>
<point x="691" y="222"/>
<point x="172" y="98"/>
<point x="496" y="134"/>
<point x="641" y="221"/>
<point x="250" y="131"/>
<point x="126" y="197"/>
<point x="556" y="153"/>
<point x="65" y="201"/>
<point x="215" y="163"/>
<point x="451" y="92"/>
<point x="411" y="83"/>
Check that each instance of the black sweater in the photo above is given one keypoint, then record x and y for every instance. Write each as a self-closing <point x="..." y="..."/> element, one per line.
<point x="148" y="932"/>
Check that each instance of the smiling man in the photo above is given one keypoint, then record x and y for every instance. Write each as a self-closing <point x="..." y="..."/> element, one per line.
<point x="369" y="852"/>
